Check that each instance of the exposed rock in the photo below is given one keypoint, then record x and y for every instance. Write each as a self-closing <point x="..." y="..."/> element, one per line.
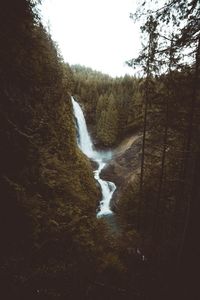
<point x="124" y="165"/>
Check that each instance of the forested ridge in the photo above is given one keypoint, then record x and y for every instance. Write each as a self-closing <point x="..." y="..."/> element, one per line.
<point x="52" y="244"/>
<point x="112" y="105"/>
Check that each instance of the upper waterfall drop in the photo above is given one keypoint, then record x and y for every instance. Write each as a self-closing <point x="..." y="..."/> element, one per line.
<point x="100" y="157"/>
<point x="84" y="140"/>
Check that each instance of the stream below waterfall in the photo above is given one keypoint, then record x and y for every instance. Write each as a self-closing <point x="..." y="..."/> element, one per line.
<point x="100" y="157"/>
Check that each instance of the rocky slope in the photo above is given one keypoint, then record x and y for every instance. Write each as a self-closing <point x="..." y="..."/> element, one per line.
<point x="124" y="165"/>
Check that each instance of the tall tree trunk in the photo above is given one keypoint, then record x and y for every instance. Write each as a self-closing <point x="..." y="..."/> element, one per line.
<point x="142" y="158"/>
<point x="162" y="170"/>
<point x="141" y="196"/>
<point x="157" y="215"/>
<point x="150" y="28"/>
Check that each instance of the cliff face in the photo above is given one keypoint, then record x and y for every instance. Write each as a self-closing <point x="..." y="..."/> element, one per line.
<point x="124" y="166"/>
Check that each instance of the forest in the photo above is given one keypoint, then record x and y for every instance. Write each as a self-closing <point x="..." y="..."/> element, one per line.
<point x="52" y="244"/>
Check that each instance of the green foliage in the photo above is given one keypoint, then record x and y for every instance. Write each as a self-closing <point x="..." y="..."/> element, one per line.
<point x="107" y="120"/>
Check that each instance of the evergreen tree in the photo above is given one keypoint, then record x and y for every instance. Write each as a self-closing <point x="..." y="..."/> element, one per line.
<point x="146" y="57"/>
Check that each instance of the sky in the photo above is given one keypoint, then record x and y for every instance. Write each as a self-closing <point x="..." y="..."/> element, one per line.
<point x="95" y="33"/>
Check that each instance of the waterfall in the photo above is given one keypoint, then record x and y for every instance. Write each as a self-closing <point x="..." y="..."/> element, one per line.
<point x="84" y="140"/>
<point x="100" y="157"/>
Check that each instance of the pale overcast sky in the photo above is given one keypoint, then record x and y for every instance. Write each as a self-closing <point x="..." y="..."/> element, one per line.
<point x="95" y="33"/>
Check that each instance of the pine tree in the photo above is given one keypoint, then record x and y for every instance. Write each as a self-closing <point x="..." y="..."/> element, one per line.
<point x="146" y="58"/>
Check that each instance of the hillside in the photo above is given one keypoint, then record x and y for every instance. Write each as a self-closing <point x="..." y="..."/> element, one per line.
<point x="49" y="197"/>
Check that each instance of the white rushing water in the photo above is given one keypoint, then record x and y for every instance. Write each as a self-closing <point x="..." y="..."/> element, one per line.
<point x="100" y="157"/>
